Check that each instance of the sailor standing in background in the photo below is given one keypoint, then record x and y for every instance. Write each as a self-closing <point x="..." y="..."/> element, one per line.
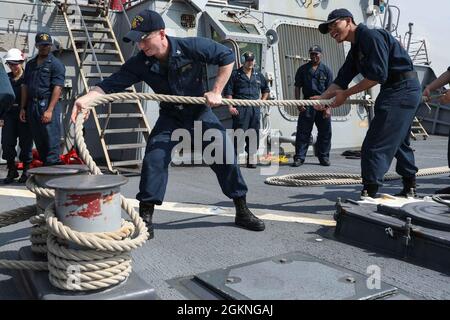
<point x="445" y="99"/>
<point x="313" y="78"/>
<point x="380" y="59"/>
<point x="44" y="80"/>
<point x="247" y="83"/>
<point x="13" y="128"/>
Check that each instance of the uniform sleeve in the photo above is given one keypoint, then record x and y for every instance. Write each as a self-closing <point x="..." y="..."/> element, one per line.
<point x="299" y="77"/>
<point x="211" y="52"/>
<point x="264" y="86"/>
<point x="329" y="78"/>
<point x="26" y="75"/>
<point x="347" y="72"/>
<point x="228" y="91"/>
<point x="376" y="56"/>
<point x="122" y="79"/>
<point x="58" y="74"/>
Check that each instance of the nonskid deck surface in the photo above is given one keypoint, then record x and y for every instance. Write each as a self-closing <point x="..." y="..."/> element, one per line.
<point x="195" y="232"/>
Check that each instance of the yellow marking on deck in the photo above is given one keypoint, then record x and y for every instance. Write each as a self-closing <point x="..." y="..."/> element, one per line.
<point x="265" y="214"/>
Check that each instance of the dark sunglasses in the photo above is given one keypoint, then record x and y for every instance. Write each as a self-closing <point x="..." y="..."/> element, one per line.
<point x="13" y="63"/>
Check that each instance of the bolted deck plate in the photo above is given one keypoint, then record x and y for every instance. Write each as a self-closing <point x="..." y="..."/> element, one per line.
<point x="292" y="276"/>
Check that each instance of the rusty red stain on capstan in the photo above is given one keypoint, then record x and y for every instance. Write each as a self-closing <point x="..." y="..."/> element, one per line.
<point x="90" y="203"/>
<point x="108" y="197"/>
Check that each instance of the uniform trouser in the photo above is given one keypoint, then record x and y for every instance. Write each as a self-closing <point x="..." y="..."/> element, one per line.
<point x="158" y="154"/>
<point x="248" y="118"/>
<point x="389" y="132"/>
<point x="305" y="122"/>
<point x="46" y="136"/>
<point x="448" y="150"/>
<point x="14" y="129"/>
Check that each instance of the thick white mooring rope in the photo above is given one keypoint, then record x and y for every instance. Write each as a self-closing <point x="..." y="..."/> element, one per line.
<point x="107" y="260"/>
<point x="318" y="179"/>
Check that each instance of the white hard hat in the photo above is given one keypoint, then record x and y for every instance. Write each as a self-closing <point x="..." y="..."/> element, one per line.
<point x="14" y="55"/>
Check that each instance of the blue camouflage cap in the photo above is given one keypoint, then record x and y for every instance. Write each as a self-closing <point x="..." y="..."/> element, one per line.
<point x="249" y="56"/>
<point x="333" y="16"/>
<point x="142" y="24"/>
<point x="315" y="49"/>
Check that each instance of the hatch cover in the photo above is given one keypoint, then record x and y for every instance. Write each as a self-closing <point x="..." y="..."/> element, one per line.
<point x="292" y="276"/>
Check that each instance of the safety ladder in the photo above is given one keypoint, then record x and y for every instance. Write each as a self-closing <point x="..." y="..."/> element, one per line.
<point x="417" y="130"/>
<point x="98" y="55"/>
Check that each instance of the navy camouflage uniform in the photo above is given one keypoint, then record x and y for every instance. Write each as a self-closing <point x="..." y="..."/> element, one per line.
<point x="40" y="81"/>
<point x="182" y="75"/>
<point x="240" y="86"/>
<point x="378" y="56"/>
<point x="313" y="82"/>
<point x="14" y="129"/>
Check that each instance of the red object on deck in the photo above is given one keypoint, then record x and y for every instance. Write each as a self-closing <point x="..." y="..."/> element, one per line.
<point x="70" y="157"/>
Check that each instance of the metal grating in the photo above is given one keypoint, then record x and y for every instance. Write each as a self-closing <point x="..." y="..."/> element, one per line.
<point x="293" y="46"/>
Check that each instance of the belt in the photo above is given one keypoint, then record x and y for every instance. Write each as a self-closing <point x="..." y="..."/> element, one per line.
<point x="397" y="77"/>
<point x="36" y="99"/>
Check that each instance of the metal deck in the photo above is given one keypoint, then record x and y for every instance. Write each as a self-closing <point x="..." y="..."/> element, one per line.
<point x="195" y="232"/>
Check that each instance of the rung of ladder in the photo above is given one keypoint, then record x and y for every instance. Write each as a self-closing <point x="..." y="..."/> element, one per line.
<point x="85" y="5"/>
<point x="91" y="29"/>
<point x="98" y="75"/>
<point x="125" y="130"/>
<point x="88" y="18"/>
<point x="98" y="51"/>
<point x="126" y="146"/>
<point x="102" y="63"/>
<point x="126" y="163"/>
<point x="120" y="115"/>
<point x="93" y="40"/>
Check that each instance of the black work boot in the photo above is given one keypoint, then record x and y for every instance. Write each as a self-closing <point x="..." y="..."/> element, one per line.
<point x="369" y="190"/>
<point x="250" y="163"/>
<point x="297" y="162"/>
<point x="146" y="213"/>
<point x="12" y="173"/>
<point x="245" y="218"/>
<point x="24" y="177"/>
<point x="409" y="187"/>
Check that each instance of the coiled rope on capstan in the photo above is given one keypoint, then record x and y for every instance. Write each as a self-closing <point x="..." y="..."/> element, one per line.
<point x="105" y="262"/>
<point x="39" y="232"/>
<point x="103" y="259"/>
<point x="319" y="179"/>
